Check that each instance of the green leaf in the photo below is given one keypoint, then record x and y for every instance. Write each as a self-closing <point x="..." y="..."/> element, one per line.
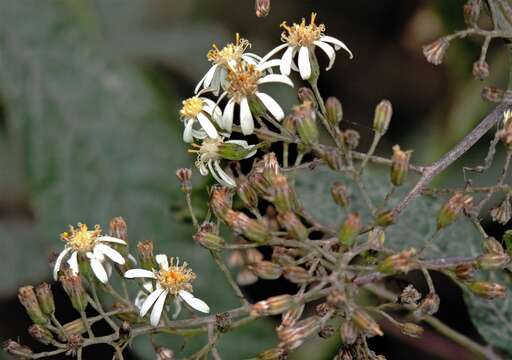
<point x="416" y="224"/>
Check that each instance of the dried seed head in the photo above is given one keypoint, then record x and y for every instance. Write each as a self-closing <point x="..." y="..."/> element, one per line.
<point x="146" y="256"/>
<point x="72" y="285"/>
<point x="409" y="295"/>
<point x="480" y="70"/>
<point x="400" y="262"/>
<point x="291" y="317"/>
<point x="16" y="349"/>
<point x="75" y="327"/>
<point x="306" y="94"/>
<point x="41" y="334"/>
<point x="285" y="199"/>
<point x="326" y="332"/>
<point x="45" y="298"/>
<point x="472" y="12"/>
<point x="411" y="329"/>
<point x="348" y="332"/>
<point x="452" y="209"/>
<point x="125" y="330"/>
<point x="293" y="225"/>
<point x="382" y="117"/>
<point x="399" y="165"/>
<point x="332" y="157"/>
<point x="502" y="213"/>
<point x="376" y="238"/>
<point x="434" y="52"/>
<point x="465" y="271"/>
<point x="266" y="270"/>
<point x="334" y="111"/>
<point x="351" y="138"/>
<point x="488" y="290"/>
<point x="262" y="8"/>
<point x="296" y="274"/>
<point x="323" y="309"/>
<point x="252" y="229"/>
<point x="272" y="306"/>
<point x="349" y="230"/>
<point x="118" y="228"/>
<point x="492" y="246"/>
<point x="339" y="193"/>
<point x="163" y="353"/>
<point x="220" y="201"/>
<point x="207" y="237"/>
<point x="292" y="337"/>
<point x="305" y="121"/>
<point x="428" y="306"/>
<point x="28" y="299"/>
<point x="247" y="193"/>
<point x="366" y="323"/>
<point x="270" y="166"/>
<point x="223" y="322"/>
<point x="337" y="299"/>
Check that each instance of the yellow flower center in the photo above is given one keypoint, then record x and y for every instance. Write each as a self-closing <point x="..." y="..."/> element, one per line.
<point x="242" y="81"/>
<point x="81" y="239"/>
<point x="229" y="53"/>
<point x="176" y="278"/>
<point x="191" y="107"/>
<point x="302" y="34"/>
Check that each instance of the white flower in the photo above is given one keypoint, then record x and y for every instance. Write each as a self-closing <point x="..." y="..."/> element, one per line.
<point x="302" y="39"/>
<point x="242" y="88"/>
<point x="89" y="245"/>
<point x="211" y="152"/>
<point x="171" y="280"/>
<point x="199" y="110"/>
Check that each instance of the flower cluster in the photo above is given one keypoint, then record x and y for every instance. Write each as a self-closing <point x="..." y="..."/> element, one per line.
<point x="236" y="79"/>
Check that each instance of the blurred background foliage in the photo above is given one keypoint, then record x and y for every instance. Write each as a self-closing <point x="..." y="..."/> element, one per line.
<point x="89" y="129"/>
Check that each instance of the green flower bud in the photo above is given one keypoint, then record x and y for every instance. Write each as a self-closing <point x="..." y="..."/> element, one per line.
<point x="305" y="120"/>
<point x="252" y="229"/>
<point x="266" y="270"/>
<point x="339" y="193"/>
<point x="296" y="274"/>
<point x="146" y="256"/>
<point x="293" y="226"/>
<point x="272" y="306"/>
<point x="349" y="230"/>
<point x="366" y="323"/>
<point x="488" y="290"/>
<point x="399" y="165"/>
<point x="45" y="298"/>
<point x="72" y="285"/>
<point x="28" y="299"/>
<point x="334" y="111"/>
<point x="382" y="117"/>
<point x="386" y="218"/>
<point x="285" y="199"/>
<point x="207" y="237"/>
<point x="41" y="334"/>
<point x="451" y="210"/>
<point x="400" y="262"/>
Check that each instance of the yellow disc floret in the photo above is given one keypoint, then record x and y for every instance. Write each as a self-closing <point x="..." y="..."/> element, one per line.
<point x="81" y="238"/>
<point x="230" y="53"/>
<point x="191" y="107"/>
<point x="177" y="277"/>
<point x="302" y="34"/>
<point x="242" y="81"/>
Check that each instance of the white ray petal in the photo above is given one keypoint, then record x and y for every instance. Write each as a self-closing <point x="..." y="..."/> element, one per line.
<point x="194" y="302"/>
<point x="199" y="84"/>
<point x="209" y="76"/>
<point x="286" y="61"/>
<point x="239" y="142"/>
<point x="99" y="270"/>
<point x="111" y="253"/>
<point x="329" y="51"/>
<point x="246" y="120"/>
<point x="207" y="126"/>
<point x="187" y="133"/>
<point x="220" y="175"/>
<point x="227" y="117"/>
<point x="156" y="313"/>
<point x="213" y="110"/>
<point x="337" y="44"/>
<point x="111" y="239"/>
<point x="273" y="52"/>
<point x="139" y="273"/>
<point x="150" y="300"/>
<point x="268" y="64"/>
<point x="73" y="263"/>
<point x="163" y="261"/>
<point x="276" y="78"/>
<point x="272" y="106"/>
<point x="58" y="262"/>
<point x="304" y="64"/>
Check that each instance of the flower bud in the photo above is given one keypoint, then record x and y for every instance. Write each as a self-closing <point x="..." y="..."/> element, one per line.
<point x="184" y="175"/>
<point x="492" y="246"/>
<point x="493" y="261"/>
<point x="480" y="70"/>
<point x="400" y="262"/>
<point x="28" y="299"/>
<point x="163" y="353"/>
<point x="285" y="198"/>
<point x="339" y="193"/>
<point x="428" y="306"/>
<point x="348" y="332"/>
<point x="337" y="299"/>
<point x="386" y="218"/>
<point x="223" y="322"/>
<point x="273" y="354"/>
<point x="376" y="238"/>
<point x="334" y="111"/>
<point x="326" y="332"/>
<point x="409" y="295"/>
<point x="16" y="349"/>
<point x="220" y="201"/>
<point x="118" y="228"/>
<point x="146" y="256"/>
<point x="266" y="270"/>
<point x="294" y="227"/>
<point x="502" y="213"/>
<point x="289" y="124"/>
<point x="125" y="313"/>
<point x="41" y="334"/>
<point x="246" y="277"/>
<point x="296" y="274"/>
<point x="305" y="120"/>
<point x="472" y="12"/>
<point x="488" y="290"/>
<point x="246" y="193"/>
<point x="207" y="238"/>
<point x="72" y="285"/>
<point x="351" y="139"/>
<point x="434" y="52"/>
<point x="366" y="323"/>
<point x="507" y="239"/>
<point x="253" y="230"/>
<point x="291" y="338"/>
<point x="382" y="117"/>
<point x="451" y="210"/>
<point x="270" y="167"/>
<point x="45" y="298"/>
<point x="262" y="8"/>
<point x="399" y="165"/>
<point x="281" y="256"/>
<point x="465" y="271"/>
<point x="411" y="329"/>
<point x="75" y="327"/>
<point x="332" y="157"/>
<point x="306" y="94"/>
<point x="291" y="317"/>
<point x="349" y="230"/>
<point x="272" y="306"/>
